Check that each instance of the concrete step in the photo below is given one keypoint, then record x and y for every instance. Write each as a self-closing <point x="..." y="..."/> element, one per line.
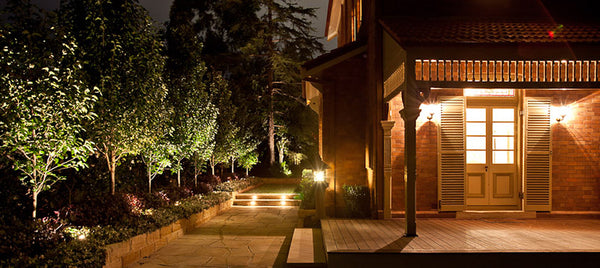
<point x="306" y="249"/>
<point x="266" y="202"/>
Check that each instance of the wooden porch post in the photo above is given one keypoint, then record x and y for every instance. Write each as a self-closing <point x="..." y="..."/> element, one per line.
<point x="387" y="168"/>
<point x="412" y="100"/>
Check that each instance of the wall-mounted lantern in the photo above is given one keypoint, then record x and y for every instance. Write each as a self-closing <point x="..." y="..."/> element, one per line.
<point x="320" y="185"/>
<point x="559" y="113"/>
<point x="429" y="110"/>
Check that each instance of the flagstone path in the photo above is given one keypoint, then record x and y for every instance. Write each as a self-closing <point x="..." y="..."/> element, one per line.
<point x="240" y="237"/>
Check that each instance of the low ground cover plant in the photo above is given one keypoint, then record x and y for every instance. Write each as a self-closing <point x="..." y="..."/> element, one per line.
<point x="75" y="236"/>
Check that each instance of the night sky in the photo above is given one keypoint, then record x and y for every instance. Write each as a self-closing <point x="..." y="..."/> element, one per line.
<point x="159" y="10"/>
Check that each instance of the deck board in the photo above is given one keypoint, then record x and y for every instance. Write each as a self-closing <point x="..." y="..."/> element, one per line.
<point x="459" y="235"/>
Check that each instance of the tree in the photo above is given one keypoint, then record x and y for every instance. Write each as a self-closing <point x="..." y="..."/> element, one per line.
<point x="44" y="102"/>
<point x="121" y="51"/>
<point x="227" y="128"/>
<point x="248" y="160"/>
<point x="194" y="116"/>
<point x="258" y="45"/>
<point x="284" y="39"/>
<point x="157" y="157"/>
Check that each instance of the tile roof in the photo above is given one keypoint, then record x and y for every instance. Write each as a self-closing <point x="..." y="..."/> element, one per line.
<point x="488" y="31"/>
<point x="333" y="54"/>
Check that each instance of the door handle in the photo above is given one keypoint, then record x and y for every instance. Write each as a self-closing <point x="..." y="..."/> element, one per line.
<point x="486" y="167"/>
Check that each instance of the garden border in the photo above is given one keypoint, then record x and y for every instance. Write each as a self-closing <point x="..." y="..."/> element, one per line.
<point x="127" y="252"/>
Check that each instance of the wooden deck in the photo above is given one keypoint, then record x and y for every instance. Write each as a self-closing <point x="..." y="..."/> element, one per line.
<point x="454" y="242"/>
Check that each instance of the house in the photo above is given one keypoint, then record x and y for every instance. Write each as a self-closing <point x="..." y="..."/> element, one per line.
<point x="451" y="106"/>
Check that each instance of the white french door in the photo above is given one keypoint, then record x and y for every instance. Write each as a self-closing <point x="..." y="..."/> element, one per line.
<point x="491" y="170"/>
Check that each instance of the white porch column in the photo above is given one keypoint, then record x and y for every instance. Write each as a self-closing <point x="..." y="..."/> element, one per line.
<point x="387" y="168"/>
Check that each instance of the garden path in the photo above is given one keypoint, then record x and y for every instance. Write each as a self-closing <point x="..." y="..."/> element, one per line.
<point x="242" y="236"/>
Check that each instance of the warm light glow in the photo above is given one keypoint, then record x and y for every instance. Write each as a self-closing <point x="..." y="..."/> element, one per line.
<point x="253" y="203"/>
<point x="559" y="113"/>
<point x="81" y="237"/>
<point x="319" y="176"/>
<point x="489" y="92"/>
<point x="283" y="203"/>
<point x="284" y="197"/>
<point x="254" y="197"/>
<point x="430" y="110"/>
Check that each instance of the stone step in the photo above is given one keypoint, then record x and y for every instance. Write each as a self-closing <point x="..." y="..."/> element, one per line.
<point x="266" y="196"/>
<point x="306" y="249"/>
<point x="266" y="202"/>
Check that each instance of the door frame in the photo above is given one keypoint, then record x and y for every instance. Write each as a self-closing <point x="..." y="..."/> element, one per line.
<point x="517" y="102"/>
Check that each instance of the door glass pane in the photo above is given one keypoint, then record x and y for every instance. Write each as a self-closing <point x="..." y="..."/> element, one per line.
<point x="475" y="129"/>
<point x="507" y="129"/>
<point x="507" y="115"/>
<point x="476" y="114"/>
<point x="503" y="143"/>
<point x="503" y="157"/>
<point x="475" y="143"/>
<point x="475" y="157"/>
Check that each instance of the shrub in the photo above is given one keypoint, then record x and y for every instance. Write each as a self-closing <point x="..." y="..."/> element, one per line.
<point x="75" y="236"/>
<point x="307" y="190"/>
<point x="236" y="185"/>
<point x="357" y="200"/>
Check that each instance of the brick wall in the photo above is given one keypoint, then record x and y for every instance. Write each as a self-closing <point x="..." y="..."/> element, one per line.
<point x="343" y="129"/>
<point x="575" y="160"/>
<point x="426" y="160"/>
<point x="576" y="150"/>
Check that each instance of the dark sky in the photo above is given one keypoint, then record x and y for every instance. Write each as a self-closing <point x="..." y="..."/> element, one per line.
<point x="159" y="10"/>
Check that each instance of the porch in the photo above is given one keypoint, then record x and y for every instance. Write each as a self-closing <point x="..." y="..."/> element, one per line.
<point x="456" y="243"/>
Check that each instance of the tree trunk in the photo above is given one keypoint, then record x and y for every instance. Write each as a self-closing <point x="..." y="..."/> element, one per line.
<point x="195" y="175"/>
<point x="35" y="197"/>
<point x="232" y="165"/>
<point x="212" y="170"/>
<point x="112" y="165"/>
<point x="179" y="178"/>
<point x="271" y="133"/>
<point x="246" y="172"/>
<point x="149" y="181"/>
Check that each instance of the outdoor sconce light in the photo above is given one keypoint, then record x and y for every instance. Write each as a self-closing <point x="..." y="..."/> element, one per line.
<point x="319" y="176"/>
<point x="429" y="110"/>
<point x="430" y="116"/>
<point x="560" y="113"/>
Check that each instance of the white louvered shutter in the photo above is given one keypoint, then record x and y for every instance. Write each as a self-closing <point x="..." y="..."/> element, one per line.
<point x="452" y="155"/>
<point x="538" y="157"/>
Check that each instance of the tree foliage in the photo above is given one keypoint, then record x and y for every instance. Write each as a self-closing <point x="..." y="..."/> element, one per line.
<point x="121" y="51"/>
<point x="258" y="45"/>
<point x="43" y="100"/>
<point x="194" y="115"/>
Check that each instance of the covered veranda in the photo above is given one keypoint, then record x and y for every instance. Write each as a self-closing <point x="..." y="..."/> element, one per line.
<point x="549" y="242"/>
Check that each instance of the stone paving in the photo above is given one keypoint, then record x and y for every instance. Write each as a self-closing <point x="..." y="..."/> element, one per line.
<point x="240" y="237"/>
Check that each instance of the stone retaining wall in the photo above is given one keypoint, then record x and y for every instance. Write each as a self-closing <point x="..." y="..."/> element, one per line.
<point x="127" y="252"/>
